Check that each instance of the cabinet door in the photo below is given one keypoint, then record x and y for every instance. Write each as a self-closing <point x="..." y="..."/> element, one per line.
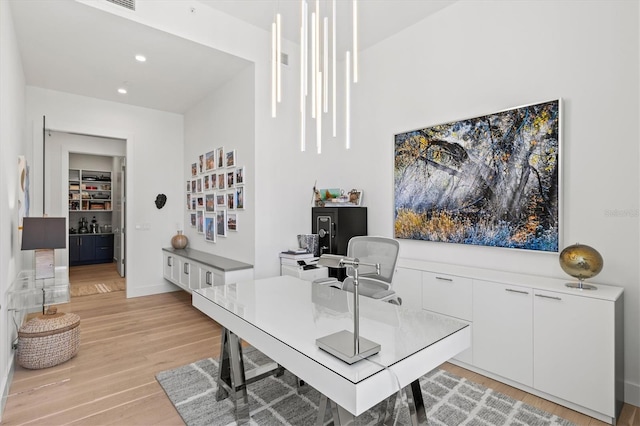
<point x="170" y="267"/>
<point x="188" y="274"/>
<point x="407" y="283"/>
<point x="503" y="330"/>
<point x="87" y="248"/>
<point x="447" y="294"/>
<point x="574" y="349"/>
<point x="208" y="277"/>
<point x="74" y="249"/>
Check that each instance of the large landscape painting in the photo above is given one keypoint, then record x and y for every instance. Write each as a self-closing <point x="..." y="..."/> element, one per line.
<point x="491" y="180"/>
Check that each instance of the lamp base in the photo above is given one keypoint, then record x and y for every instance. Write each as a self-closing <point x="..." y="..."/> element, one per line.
<point x="340" y="345"/>
<point x="582" y="286"/>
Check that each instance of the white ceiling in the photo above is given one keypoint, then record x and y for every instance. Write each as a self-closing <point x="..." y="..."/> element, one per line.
<point x="71" y="47"/>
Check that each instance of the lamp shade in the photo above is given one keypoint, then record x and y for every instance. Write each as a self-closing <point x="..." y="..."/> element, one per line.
<point x="44" y="233"/>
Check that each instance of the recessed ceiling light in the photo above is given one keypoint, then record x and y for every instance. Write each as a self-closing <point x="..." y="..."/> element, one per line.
<point x="122" y="91"/>
<point x="141" y="58"/>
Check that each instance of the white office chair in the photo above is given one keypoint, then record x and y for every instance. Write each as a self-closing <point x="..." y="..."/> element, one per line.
<point x="380" y="250"/>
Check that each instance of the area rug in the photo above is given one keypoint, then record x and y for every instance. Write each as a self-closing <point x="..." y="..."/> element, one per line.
<point x="88" y="289"/>
<point x="450" y="400"/>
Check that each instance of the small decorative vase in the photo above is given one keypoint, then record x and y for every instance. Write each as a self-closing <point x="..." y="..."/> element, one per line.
<point x="179" y="241"/>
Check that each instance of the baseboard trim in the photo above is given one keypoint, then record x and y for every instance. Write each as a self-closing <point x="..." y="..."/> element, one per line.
<point x="165" y="287"/>
<point x="6" y="384"/>
<point x="632" y="393"/>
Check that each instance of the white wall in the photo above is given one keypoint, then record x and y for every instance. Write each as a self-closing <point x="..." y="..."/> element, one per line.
<point x="478" y="57"/>
<point x="225" y="118"/>
<point x="12" y="144"/>
<point x="150" y="171"/>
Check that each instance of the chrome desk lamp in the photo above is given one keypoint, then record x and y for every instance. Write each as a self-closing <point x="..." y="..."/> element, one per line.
<point x="347" y="346"/>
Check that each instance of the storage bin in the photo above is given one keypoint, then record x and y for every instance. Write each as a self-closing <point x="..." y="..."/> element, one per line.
<point x="48" y="340"/>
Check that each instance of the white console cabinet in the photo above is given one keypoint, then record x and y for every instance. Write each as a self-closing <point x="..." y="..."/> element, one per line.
<point x="193" y="269"/>
<point x="531" y="332"/>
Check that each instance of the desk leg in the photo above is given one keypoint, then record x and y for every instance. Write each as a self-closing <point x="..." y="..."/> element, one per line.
<point x="231" y="377"/>
<point x="416" y="404"/>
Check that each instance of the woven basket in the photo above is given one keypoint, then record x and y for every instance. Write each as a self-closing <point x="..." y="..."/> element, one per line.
<point x="48" y="340"/>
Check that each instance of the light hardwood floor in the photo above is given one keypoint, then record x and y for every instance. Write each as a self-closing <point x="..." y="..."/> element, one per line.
<point x="125" y="342"/>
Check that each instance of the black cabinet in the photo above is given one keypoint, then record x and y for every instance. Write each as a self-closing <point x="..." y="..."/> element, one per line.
<point x="87" y="249"/>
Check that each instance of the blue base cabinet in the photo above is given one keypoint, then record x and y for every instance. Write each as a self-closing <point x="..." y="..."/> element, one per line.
<point x="87" y="249"/>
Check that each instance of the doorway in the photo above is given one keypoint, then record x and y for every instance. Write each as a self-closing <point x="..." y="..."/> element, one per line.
<point x="91" y="194"/>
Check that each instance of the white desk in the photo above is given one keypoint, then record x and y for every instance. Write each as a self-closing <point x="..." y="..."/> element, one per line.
<point x="283" y="316"/>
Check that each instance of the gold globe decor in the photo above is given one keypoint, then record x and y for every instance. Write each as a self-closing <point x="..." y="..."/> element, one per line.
<point x="581" y="261"/>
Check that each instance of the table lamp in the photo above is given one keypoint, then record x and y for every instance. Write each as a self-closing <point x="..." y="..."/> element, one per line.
<point x="44" y="234"/>
<point x="347" y="346"/>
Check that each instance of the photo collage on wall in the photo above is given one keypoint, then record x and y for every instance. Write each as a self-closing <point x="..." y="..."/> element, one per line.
<point x="215" y="193"/>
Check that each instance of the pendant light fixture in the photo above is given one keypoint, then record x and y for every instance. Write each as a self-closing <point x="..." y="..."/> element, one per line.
<point x="318" y="68"/>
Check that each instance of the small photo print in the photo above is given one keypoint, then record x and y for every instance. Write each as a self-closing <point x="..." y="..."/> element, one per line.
<point x="240" y="198"/>
<point x="240" y="175"/>
<point x="221" y="181"/>
<point x="210" y="202"/>
<point x="232" y="221"/>
<point x="206" y="184"/>
<point x="193" y="202"/>
<point x="231" y="158"/>
<point x="194" y="169"/>
<point x="199" y="185"/>
<point x="193" y="220"/>
<point x="210" y="229"/>
<point x="201" y="164"/>
<point x="200" y="203"/>
<point x="188" y="186"/>
<point x="214" y="181"/>
<point x="194" y="185"/>
<point x="220" y="157"/>
<point x="221" y="223"/>
<point x="210" y="160"/>
<point x="188" y="201"/>
<point x="230" y="178"/>
<point x="200" y="221"/>
<point x="231" y="200"/>
<point x="220" y="200"/>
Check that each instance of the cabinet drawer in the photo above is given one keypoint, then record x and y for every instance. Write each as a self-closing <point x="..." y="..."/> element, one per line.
<point x="448" y="295"/>
<point x="104" y="240"/>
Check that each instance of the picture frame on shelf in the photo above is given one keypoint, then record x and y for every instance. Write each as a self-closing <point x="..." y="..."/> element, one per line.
<point x="200" y="221"/>
<point x="210" y="160"/>
<point x="210" y="228"/>
<point x="210" y="203"/>
<point x="231" y="158"/>
<point x="221" y="223"/>
<point x="355" y="197"/>
<point x="240" y="198"/>
<point x="239" y="180"/>
<point x="220" y="157"/>
<point x="232" y="222"/>
<point x="192" y="219"/>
